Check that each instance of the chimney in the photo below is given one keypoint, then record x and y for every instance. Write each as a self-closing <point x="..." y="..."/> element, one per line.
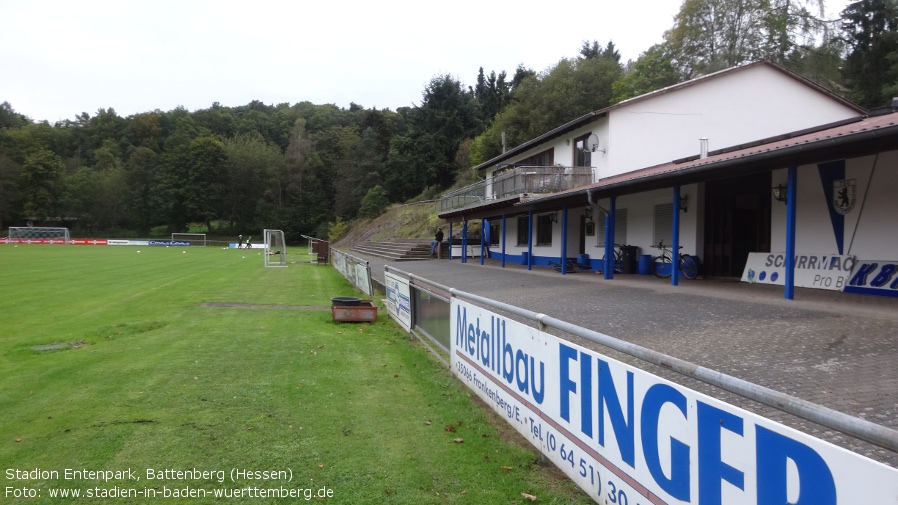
<point x="703" y="148"/>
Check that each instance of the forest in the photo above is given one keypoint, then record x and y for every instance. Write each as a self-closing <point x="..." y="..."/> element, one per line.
<point x="301" y="167"/>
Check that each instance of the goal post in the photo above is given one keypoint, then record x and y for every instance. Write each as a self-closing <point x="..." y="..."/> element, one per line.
<point x="195" y="239"/>
<point x="39" y="233"/>
<point x="275" y="249"/>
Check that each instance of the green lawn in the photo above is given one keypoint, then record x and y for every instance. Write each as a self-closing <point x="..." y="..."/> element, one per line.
<point x="202" y="360"/>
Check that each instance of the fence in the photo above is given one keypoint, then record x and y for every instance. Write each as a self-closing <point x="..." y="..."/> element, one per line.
<point x="560" y="395"/>
<point x="356" y="270"/>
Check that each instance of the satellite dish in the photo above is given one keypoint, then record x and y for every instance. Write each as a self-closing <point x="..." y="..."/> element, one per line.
<point x="592" y="143"/>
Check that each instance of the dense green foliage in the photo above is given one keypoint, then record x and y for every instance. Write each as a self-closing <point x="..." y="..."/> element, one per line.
<point x="298" y="167"/>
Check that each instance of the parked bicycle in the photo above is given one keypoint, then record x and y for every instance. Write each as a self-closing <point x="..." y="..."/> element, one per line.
<point x="662" y="265"/>
<point x="617" y="261"/>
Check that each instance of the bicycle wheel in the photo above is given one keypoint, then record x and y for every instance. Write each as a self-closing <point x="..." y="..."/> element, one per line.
<point x="661" y="266"/>
<point x="688" y="267"/>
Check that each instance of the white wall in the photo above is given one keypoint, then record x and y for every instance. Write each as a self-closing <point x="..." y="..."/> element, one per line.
<point x="870" y="229"/>
<point x="730" y="109"/>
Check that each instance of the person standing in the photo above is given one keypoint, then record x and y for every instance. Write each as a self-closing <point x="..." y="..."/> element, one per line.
<point x="249" y="241"/>
<point x="239" y="241"/>
<point x="437" y="243"/>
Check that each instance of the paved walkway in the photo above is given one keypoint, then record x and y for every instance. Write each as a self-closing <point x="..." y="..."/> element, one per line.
<point x="830" y="348"/>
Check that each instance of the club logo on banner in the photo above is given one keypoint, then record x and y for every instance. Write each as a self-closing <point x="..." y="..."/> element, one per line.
<point x="844" y="195"/>
<point x="629" y="437"/>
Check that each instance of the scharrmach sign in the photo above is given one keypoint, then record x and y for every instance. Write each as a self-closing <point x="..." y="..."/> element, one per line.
<point x="629" y="437"/>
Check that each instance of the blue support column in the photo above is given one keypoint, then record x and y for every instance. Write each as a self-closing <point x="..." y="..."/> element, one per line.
<point x="503" y="240"/>
<point x="608" y="267"/>
<point x="791" y="205"/>
<point x="464" y="240"/>
<point x="482" y="239"/>
<point x="530" y="240"/>
<point x="675" y="253"/>
<point x="564" y="239"/>
<point x="450" y="240"/>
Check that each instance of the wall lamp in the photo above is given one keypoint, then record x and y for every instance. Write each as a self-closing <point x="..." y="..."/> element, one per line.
<point x="587" y="214"/>
<point x="553" y="217"/>
<point x="779" y="193"/>
<point x="683" y="200"/>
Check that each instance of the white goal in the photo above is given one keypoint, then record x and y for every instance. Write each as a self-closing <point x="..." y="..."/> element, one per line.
<point x="39" y="234"/>
<point x="195" y="239"/>
<point x="275" y="249"/>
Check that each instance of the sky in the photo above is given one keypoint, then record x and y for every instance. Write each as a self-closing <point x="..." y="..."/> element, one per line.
<point x="59" y="58"/>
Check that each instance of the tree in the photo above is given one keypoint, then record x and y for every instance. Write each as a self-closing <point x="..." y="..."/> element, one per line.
<point x="870" y="28"/>
<point x="251" y="160"/>
<point x="653" y="70"/>
<point x="142" y="179"/>
<point x="42" y="184"/>
<point x="374" y="203"/>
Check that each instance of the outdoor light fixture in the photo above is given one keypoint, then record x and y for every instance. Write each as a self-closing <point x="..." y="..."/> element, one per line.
<point x="553" y="217"/>
<point x="587" y="213"/>
<point x="683" y="200"/>
<point x="779" y="193"/>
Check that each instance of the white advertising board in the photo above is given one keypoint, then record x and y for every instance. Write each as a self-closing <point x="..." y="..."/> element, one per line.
<point x="629" y="437"/>
<point x="874" y="278"/>
<point x="399" y="300"/>
<point x="821" y="271"/>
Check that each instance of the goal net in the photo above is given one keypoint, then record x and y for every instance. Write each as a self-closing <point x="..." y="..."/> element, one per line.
<point x="195" y="239"/>
<point x="275" y="249"/>
<point x="39" y="234"/>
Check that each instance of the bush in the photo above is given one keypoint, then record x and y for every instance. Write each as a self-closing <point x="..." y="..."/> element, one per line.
<point x="374" y="203"/>
<point x="337" y="229"/>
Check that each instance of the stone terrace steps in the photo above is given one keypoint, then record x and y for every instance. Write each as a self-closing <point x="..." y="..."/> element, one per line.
<point x="397" y="249"/>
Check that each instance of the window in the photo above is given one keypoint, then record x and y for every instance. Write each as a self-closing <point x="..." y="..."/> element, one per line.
<point x="544" y="229"/>
<point x="543" y="159"/>
<point x="523" y="228"/>
<point x="663" y="223"/>
<point x="582" y="156"/>
<point x="495" y="231"/>
<point x="620" y="227"/>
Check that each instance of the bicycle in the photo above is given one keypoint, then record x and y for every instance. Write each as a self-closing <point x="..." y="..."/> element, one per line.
<point x="662" y="265"/>
<point x="617" y="262"/>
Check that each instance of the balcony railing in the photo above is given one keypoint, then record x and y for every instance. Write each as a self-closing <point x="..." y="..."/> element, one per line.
<point x="517" y="181"/>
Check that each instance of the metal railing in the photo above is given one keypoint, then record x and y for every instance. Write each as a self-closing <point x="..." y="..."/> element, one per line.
<point x="516" y="181"/>
<point x="862" y="429"/>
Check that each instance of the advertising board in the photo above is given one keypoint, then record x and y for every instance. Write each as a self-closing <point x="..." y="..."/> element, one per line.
<point x="399" y="300"/>
<point x="629" y="437"/>
<point x="821" y="271"/>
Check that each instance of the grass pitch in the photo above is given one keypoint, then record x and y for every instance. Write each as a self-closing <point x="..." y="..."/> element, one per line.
<point x="196" y="374"/>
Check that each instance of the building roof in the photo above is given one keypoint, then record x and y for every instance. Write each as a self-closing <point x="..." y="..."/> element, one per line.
<point x="857" y="137"/>
<point x="596" y="115"/>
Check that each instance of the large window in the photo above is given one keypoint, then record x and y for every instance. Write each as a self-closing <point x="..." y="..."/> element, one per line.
<point x="544" y="229"/>
<point x="523" y="228"/>
<point x="582" y="156"/>
<point x="663" y="223"/>
<point x="543" y="159"/>
<point x="495" y="232"/>
<point x="620" y="227"/>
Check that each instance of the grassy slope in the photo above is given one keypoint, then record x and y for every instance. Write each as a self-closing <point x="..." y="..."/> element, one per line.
<point x="159" y="379"/>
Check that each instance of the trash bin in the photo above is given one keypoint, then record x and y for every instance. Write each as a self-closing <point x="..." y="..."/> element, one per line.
<point x="628" y="256"/>
<point x="645" y="264"/>
<point x="583" y="259"/>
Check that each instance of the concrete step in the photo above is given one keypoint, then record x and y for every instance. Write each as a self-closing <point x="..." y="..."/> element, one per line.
<point x="397" y="250"/>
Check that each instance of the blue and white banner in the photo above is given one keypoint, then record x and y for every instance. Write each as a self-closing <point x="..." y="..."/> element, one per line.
<point x="821" y="271"/>
<point x="874" y="278"/>
<point x="629" y="437"/>
<point x="399" y="300"/>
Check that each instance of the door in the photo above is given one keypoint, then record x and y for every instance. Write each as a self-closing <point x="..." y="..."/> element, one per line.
<point x="737" y="222"/>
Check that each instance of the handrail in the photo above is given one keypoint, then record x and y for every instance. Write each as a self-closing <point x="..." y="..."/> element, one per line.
<point x="853" y="426"/>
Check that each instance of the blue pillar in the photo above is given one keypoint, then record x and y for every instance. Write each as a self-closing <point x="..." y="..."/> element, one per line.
<point x="675" y="246"/>
<point x="791" y="201"/>
<point x="609" y="240"/>
<point x="482" y="239"/>
<point x="503" y="240"/>
<point x="530" y="240"/>
<point x="450" y="240"/>
<point x="564" y="239"/>
<point x="464" y="240"/>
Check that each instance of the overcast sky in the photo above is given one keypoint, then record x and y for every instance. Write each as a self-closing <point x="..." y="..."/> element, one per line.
<point x="59" y="58"/>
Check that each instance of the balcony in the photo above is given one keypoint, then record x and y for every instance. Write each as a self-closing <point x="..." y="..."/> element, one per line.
<point x="518" y="181"/>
